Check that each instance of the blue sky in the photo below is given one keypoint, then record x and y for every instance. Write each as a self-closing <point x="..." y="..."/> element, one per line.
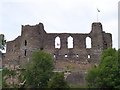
<point x="71" y="16"/>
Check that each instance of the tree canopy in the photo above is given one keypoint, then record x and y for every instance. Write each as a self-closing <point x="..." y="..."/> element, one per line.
<point x="39" y="70"/>
<point x="2" y="41"/>
<point x="107" y="73"/>
<point x="57" y="81"/>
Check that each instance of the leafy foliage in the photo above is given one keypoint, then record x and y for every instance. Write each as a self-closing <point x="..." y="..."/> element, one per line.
<point x="6" y="73"/>
<point x="39" y="71"/>
<point x="0" y="79"/>
<point x="107" y="74"/>
<point x="2" y="41"/>
<point x="57" y="81"/>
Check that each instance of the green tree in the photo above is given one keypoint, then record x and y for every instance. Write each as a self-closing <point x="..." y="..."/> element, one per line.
<point x="107" y="74"/>
<point x="2" y="47"/>
<point x="57" y="81"/>
<point x="6" y="73"/>
<point x="39" y="70"/>
<point x="2" y="41"/>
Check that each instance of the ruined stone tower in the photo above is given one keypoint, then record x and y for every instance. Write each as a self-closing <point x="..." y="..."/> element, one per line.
<point x="33" y="38"/>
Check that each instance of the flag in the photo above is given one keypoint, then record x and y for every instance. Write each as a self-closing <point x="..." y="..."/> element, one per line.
<point x="98" y="10"/>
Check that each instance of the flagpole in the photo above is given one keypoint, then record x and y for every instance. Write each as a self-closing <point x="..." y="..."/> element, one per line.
<point x="97" y="16"/>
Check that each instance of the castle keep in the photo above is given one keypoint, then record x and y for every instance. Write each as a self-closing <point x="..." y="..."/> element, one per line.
<point x="18" y="51"/>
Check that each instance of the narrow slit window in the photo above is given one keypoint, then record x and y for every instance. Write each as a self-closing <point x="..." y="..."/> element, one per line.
<point x="25" y="53"/>
<point x="25" y="42"/>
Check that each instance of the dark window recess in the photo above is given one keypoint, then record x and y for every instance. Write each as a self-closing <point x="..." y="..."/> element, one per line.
<point x="25" y="43"/>
<point x="25" y="53"/>
<point x="41" y="48"/>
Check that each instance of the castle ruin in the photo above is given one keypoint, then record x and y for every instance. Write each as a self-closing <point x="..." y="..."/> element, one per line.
<point x="35" y="37"/>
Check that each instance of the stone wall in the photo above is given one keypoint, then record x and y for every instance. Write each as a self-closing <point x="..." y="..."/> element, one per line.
<point x="36" y="38"/>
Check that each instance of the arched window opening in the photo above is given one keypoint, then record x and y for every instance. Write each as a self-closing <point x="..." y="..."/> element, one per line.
<point x="57" y="42"/>
<point x="89" y="56"/>
<point x="70" y="42"/>
<point x="25" y="43"/>
<point x="88" y="42"/>
<point x="66" y="55"/>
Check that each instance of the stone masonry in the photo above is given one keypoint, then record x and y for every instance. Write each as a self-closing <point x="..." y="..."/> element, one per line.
<point x="35" y="37"/>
